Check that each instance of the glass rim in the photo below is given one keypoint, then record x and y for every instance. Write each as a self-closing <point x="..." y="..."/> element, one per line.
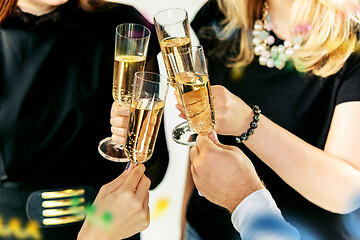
<point x="176" y="22"/>
<point x="134" y="24"/>
<point x="136" y="74"/>
<point x="195" y="49"/>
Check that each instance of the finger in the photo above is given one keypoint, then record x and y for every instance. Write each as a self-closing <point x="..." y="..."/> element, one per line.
<point x="204" y="143"/>
<point x="196" y="177"/>
<point x="213" y="137"/>
<point x="131" y="167"/>
<point x="208" y="146"/>
<point x="118" y="110"/>
<point x="147" y="209"/>
<point x="182" y="111"/>
<point x="146" y="200"/>
<point x="118" y="139"/>
<point x="117" y="182"/>
<point x="194" y="153"/>
<point x="182" y="116"/>
<point x="177" y="96"/>
<point x="143" y="187"/>
<point x="120" y="122"/>
<point x="180" y="107"/>
<point x="216" y="88"/>
<point x="119" y="131"/>
<point x="178" y="100"/>
<point x="146" y="206"/>
<point x="134" y="178"/>
<point x="193" y="172"/>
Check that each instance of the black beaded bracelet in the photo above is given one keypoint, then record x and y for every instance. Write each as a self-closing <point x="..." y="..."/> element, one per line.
<point x="253" y="125"/>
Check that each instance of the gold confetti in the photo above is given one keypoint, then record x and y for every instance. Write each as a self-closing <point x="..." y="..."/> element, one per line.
<point x="161" y="206"/>
<point x="14" y="228"/>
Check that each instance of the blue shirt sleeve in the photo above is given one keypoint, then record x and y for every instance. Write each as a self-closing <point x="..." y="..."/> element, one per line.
<point x="258" y="217"/>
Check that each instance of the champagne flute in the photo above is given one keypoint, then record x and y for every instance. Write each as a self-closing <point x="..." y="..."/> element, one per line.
<point x="173" y="32"/>
<point x="146" y="110"/>
<point x="131" y="44"/>
<point x="192" y="80"/>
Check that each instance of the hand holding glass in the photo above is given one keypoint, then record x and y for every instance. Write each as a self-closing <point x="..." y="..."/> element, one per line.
<point x="146" y="110"/>
<point x="131" y="44"/>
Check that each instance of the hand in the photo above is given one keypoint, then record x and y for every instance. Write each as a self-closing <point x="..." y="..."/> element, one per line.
<point x="127" y="199"/>
<point x="119" y="122"/>
<point x="233" y="115"/>
<point x="223" y="174"/>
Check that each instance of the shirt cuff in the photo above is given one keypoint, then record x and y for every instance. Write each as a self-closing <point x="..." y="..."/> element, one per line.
<point x="258" y="216"/>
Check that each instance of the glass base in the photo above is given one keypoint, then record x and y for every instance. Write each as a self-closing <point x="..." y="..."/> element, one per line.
<point x="183" y="134"/>
<point x="111" y="151"/>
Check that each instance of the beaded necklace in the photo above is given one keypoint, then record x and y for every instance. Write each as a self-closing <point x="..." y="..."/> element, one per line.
<point x="271" y="56"/>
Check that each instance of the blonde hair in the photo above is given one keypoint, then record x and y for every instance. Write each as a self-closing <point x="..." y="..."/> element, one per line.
<point x="326" y="47"/>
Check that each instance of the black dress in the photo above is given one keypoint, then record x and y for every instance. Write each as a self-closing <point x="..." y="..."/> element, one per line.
<point x="301" y="103"/>
<point x="55" y="100"/>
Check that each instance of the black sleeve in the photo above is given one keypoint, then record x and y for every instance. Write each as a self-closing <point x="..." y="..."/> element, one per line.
<point x="349" y="89"/>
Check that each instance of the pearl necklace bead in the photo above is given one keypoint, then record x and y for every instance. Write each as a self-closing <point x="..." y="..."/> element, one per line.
<point x="270" y="55"/>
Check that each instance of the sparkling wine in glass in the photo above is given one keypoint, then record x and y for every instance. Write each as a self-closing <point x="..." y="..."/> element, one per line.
<point x="173" y="32"/>
<point x="131" y="44"/>
<point x="146" y="110"/>
<point x="192" y="80"/>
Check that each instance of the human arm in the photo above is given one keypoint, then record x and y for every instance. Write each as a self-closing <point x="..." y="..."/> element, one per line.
<point x="126" y="198"/>
<point x="329" y="178"/>
<point x="225" y="176"/>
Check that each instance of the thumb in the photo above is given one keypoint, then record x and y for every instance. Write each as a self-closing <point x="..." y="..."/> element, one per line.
<point x="208" y="143"/>
<point x="213" y="137"/>
<point x="117" y="182"/>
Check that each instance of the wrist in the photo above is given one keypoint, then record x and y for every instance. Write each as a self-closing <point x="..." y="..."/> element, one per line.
<point x="252" y="126"/>
<point x="231" y="206"/>
<point x="246" y="116"/>
<point x="92" y="232"/>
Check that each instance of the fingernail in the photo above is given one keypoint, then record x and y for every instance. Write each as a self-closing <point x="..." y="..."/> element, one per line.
<point x="213" y="136"/>
<point x="127" y="165"/>
<point x="182" y="115"/>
